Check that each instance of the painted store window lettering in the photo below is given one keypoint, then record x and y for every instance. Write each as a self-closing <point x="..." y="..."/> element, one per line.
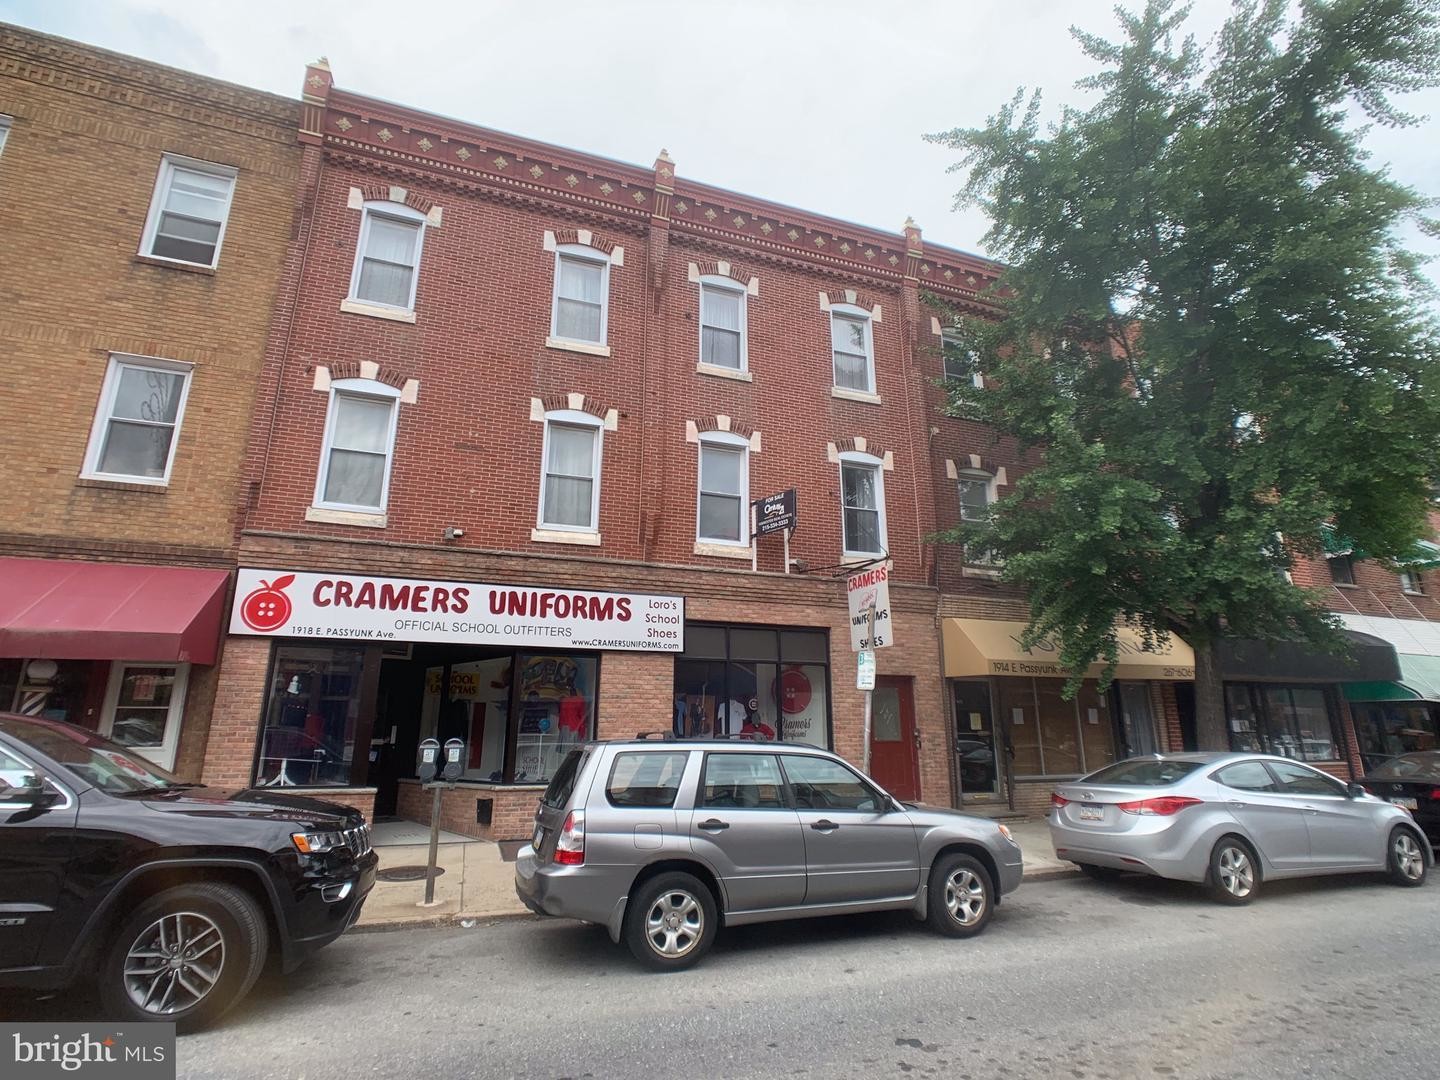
<point x="753" y="681"/>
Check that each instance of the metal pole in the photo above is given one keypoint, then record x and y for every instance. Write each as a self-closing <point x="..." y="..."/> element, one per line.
<point x="869" y="640"/>
<point x="787" y="551"/>
<point x="434" y="846"/>
<point x="754" y="541"/>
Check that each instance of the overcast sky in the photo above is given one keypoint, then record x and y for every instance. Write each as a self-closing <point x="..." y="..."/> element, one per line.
<point x="817" y="103"/>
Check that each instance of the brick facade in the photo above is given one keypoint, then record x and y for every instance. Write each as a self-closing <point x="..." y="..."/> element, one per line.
<point x="77" y="174"/>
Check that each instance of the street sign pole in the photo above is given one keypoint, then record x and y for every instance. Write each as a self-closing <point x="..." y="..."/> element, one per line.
<point x="869" y="640"/>
<point x="787" y="551"/>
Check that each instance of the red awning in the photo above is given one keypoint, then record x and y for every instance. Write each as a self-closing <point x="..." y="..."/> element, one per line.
<point x="110" y="611"/>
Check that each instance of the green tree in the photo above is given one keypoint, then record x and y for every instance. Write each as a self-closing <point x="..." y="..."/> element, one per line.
<point x="1210" y="330"/>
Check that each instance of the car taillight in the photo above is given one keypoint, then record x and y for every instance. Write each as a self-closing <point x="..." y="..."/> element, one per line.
<point x="570" y="848"/>
<point x="1435" y="794"/>
<point x="1164" y="806"/>
<point x="1057" y="800"/>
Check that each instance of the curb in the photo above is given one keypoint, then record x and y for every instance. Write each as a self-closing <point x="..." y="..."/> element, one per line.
<point x="1049" y="873"/>
<point x="440" y="922"/>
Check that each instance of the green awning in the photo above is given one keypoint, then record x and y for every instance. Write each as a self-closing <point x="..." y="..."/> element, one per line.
<point x="1419" y="681"/>
<point x="1423" y="555"/>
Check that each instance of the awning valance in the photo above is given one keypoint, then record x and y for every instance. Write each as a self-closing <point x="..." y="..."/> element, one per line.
<point x="992" y="647"/>
<point x="1423" y="555"/>
<point x="1370" y="659"/>
<point x="110" y="611"/>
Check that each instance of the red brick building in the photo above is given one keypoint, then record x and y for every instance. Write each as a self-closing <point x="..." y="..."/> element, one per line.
<point x="145" y="213"/>
<point x="521" y="372"/>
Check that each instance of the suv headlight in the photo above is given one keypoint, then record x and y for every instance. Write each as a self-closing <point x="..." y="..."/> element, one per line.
<point x="317" y="843"/>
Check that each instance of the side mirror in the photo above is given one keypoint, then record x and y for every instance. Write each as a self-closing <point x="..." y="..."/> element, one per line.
<point x="1356" y="791"/>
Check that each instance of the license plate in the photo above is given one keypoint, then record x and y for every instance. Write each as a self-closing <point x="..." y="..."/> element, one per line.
<point x="1400" y="800"/>
<point x="1090" y="812"/>
<point x="539" y="838"/>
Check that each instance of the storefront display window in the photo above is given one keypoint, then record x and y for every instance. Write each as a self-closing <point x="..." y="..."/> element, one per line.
<point x="1049" y="736"/>
<point x="143" y="706"/>
<point x="1291" y="721"/>
<point x="1388" y="728"/>
<point x="555" y="709"/>
<point x="309" y="734"/>
<point x="755" y="682"/>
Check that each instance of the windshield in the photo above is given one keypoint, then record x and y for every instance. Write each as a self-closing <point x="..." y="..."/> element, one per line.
<point x="1143" y="772"/>
<point x="107" y="765"/>
<point x="1424" y="766"/>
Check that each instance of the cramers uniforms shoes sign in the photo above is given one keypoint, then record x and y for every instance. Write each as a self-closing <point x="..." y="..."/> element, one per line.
<point x="278" y="603"/>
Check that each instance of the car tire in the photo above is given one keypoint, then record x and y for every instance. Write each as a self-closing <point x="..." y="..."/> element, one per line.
<point x="1099" y="873"/>
<point x="1234" y="876"/>
<point x="671" y="921"/>
<point x="1405" y="858"/>
<point x="961" y="896"/>
<point x="211" y="917"/>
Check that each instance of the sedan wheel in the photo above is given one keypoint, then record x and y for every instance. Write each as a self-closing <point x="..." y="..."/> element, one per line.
<point x="1234" y="876"/>
<point x="1407" y="858"/>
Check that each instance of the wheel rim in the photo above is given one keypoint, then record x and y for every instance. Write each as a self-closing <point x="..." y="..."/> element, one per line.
<point x="174" y="963"/>
<point x="1237" y="876"/>
<point x="1408" y="856"/>
<point x="674" y="923"/>
<point x="965" y="896"/>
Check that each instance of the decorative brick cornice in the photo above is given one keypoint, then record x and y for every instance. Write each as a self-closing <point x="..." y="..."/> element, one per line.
<point x="723" y="423"/>
<point x="608" y="415"/>
<point x="572" y="236"/>
<point x="859" y="444"/>
<point x="356" y="369"/>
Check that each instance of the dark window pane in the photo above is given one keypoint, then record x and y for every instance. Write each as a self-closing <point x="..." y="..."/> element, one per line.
<point x="309" y="732"/>
<point x="706" y="642"/>
<point x="822" y="784"/>
<point x="742" y="782"/>
<point x="797" y="645"/>
<point x="648" y="779"/>
<point x="1246" y="776"/>
<point x="1143" y="772"/>
<point x="563" y="782"/>
<point x="753" y="644"/>
<point x="1298" y="780"/>
<point x="699" y="694"/>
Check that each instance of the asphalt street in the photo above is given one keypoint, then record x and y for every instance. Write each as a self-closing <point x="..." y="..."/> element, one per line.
<point x="1073" y="980"/>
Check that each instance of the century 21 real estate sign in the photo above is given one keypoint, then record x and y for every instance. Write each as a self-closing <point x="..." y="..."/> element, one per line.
<point x="352" y="607"/>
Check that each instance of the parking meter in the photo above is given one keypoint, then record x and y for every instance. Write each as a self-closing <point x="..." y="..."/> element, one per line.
<point x="454" y="759"/>
<point x="427" y="760"/>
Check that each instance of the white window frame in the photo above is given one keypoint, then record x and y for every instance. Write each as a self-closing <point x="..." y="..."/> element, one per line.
<point x="724" y="440"/>
<point x="724" y="284"/>
<point x="100" y="427"/>
<point x="854" y="457"/>
<point x="991" y="485"/>
<point x="947" y="339"/>
<point x="358" y="388"/>
<point x="4" y="131"/>
<point x="1411" y="583"/>
<point x="588" y="254"/>
<point x="165" y="755"/>
<point x="853" y="311"/>
<point x="168" y="164"/>
<point x="395" y="212"/>
<point x="572" y="418"/>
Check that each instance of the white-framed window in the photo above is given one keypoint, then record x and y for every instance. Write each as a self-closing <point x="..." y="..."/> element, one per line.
<point x="960" y="363"/>
<point x="977" y="492"/>
<point x="137" y="423"/>
<point x="143" y="706"/>
<point x="580" y="311"/>
<point x="359" y="446"/>
<point x="570" y="472"/>
<point x="862" y="504"/>
<point x="1411" y="582"/>
<point x="852" y="348"/>
<point x="387" y="256"/>
<point x="188" y="211"/>
<point x="722" y="514"/>
<point x="722" y="323"/>
<point x="4" y="132"/>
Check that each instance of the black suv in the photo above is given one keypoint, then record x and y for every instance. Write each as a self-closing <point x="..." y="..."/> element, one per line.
<point x="170" y="896"/>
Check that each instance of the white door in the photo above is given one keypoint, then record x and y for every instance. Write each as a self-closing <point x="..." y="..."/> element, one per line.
<point x="143" y="706"/>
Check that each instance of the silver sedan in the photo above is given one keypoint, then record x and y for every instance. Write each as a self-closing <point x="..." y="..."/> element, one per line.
<point x="1231" y="822"/>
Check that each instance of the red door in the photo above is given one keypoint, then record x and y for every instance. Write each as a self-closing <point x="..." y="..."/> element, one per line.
<point x="894" y="752"/>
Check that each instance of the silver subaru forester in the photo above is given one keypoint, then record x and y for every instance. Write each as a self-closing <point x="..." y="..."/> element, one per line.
<point x="662" y="842"/>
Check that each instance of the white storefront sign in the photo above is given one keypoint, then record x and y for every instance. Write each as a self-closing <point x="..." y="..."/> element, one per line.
<point x="278" y="603"/>
<point x="865" y="669"/>
<point x="865" y="589"/>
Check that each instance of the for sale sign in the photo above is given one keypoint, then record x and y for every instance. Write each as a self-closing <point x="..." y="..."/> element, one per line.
<point x="869" y="589"/>
<point x="276" y="603"/>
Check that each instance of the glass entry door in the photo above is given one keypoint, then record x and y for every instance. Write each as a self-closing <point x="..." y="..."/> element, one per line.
<point x="1137" y="719"/>
<point x="975" y="758"/>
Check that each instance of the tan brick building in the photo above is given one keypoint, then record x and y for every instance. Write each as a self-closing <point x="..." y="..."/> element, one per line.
<point x="145" y="213"/>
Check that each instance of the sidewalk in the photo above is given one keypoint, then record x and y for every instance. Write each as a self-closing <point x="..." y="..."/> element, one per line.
<point x="477" y="881"/>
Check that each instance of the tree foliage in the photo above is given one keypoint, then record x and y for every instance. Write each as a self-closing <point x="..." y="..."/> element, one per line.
<point x="1210" y="327"/>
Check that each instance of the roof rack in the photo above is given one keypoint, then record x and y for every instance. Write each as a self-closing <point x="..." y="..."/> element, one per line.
<point x="665" y="735"/>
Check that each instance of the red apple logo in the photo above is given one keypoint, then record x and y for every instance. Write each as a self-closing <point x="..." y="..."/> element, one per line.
<point x="268" y="608"/>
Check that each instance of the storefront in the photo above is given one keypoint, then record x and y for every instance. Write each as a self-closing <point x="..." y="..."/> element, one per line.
<point x="1016" y="735"/>
<point x="1397" y="716"/>
<point x="120" y="648"/>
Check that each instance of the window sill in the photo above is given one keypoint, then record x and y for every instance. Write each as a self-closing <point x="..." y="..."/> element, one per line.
<point x="722" y="551"/>
<point x="724" y="372"/>
<point x="346" y="517"/>
<point x="853" y="559"/>
<point x="1412" y="592"/>
<point x="846" y="394"/>
<point x="174" y="264"/>
<point x="1343" y="585"/>
<point x="377" y="311"/>
<point x="992" y="572"/>
<point x="561" y="536"/>
<point x="156" y="486"/>
<point x="577" y="346"/>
